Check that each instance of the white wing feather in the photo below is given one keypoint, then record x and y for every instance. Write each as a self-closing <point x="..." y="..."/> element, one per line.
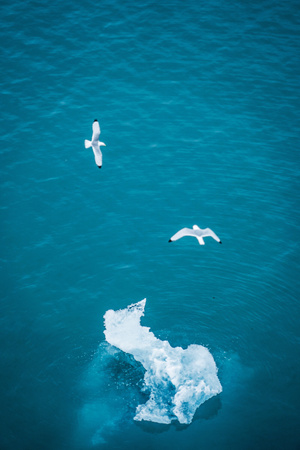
<point x="97" y="154"/>
<point x="209" y="232"/>
<point x="183" y="232"/>
<point x="96" y="131"/>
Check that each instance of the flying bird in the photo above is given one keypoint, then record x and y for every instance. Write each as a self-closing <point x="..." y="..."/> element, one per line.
<point x="95" y="143"/>
<point x="195" y="232"/>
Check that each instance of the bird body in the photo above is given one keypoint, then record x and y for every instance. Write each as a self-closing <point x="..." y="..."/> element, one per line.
<point x="196" y="232"/>
<point x="95" y="143"/>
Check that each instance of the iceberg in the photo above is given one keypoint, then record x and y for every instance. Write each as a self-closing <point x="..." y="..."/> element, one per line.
<point x="178" y="380"/>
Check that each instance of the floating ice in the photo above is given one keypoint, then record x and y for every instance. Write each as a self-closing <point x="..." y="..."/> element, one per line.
<point x="178" y="380"/>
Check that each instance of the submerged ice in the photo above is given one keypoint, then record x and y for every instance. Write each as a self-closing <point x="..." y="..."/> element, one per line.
<point x="178" y="380"/>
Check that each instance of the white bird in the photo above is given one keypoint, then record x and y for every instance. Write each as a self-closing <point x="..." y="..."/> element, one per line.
<point x="95" y="143"/>
<point x="195" y="232"/>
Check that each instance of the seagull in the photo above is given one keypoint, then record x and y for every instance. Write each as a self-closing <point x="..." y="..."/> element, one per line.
<point x="95" y="143"/>
<point x="197" y="233"/>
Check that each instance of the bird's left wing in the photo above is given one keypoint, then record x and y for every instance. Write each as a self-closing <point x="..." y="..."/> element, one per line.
<point x="181" y="233"/>
<point x="96" y="131"/>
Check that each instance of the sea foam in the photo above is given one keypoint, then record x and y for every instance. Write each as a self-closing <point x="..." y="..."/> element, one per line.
<point x="178" y="380"/>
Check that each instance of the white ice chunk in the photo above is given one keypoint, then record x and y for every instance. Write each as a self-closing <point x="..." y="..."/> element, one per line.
<point x="178" y="380"/>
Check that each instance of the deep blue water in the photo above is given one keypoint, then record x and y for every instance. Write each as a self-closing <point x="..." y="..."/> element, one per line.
<point x="198" y="104"/>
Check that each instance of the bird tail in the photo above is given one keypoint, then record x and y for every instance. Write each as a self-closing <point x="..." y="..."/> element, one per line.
<point x="200" y="240"/>
<point x="87" y="143"/>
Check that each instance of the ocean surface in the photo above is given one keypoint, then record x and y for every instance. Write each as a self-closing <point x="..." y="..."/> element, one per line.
<point x="198" y="104"/>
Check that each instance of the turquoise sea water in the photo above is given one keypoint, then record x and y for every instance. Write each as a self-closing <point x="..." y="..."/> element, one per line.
<point x="198" y="104"/>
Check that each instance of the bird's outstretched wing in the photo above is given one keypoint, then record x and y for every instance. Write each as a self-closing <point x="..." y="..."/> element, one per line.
<point x="209" y="232"/>
<point x="97" y="154"/>
<point x="96" y="131"/>
<point x="181" y="233"/>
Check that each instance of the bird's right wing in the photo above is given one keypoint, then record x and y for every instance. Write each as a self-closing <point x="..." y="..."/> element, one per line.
<point x="97" y="154"/>
<point x="96" y="131"/>
<point x="209" y="232"/>
<point x="183" y="232"/>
